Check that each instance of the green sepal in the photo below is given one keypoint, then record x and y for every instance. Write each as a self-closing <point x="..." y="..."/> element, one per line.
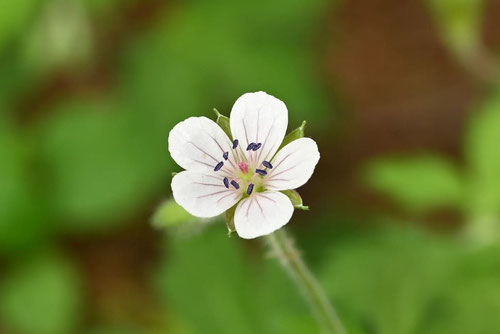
<point x="294" y="135"/>
<point x="174" y="174"/>
<point x="230" y="220"/>
<point x="296" y="199"/>
<point x="223" y="122"/>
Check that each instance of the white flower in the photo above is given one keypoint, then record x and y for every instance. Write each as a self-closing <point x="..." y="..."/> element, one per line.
<point x="221" y="173"/>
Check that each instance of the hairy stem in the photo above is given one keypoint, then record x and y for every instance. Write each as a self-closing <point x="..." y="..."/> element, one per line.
<point x="283" y="247"/>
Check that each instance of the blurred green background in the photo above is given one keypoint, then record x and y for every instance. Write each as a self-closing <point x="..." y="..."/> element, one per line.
<point x="402" y="96"/>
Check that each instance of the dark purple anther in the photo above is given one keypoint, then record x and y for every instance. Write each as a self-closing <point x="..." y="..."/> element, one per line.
<point x="261" y="172"/>
<point x="267" y="164"/>
<point x="225" y="155"/>
<point x="226" y="182"/>
<point x="251" y="146"/>
<point x="235" y="144"/>
<point x="250" y="189"/>
<point x="235" y="184"/>
<point x="218" y="166"/>
<point x="256" y="146"/>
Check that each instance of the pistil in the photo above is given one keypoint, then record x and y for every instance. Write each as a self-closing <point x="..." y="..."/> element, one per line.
<point x="243" y="167"/>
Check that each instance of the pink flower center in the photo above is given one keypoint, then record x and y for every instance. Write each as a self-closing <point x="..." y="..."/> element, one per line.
<point x="243" y="167"/>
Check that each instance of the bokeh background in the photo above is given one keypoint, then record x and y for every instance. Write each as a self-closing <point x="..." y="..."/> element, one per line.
<point x="401" y="95"/>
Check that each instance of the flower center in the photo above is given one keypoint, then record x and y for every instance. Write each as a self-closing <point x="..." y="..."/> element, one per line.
<point x="248" y="179"/>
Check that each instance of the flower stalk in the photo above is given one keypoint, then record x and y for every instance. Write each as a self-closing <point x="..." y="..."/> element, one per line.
<point x="282" y="246"/>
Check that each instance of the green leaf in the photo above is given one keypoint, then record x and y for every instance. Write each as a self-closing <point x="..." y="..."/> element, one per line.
<point x="14" y="16"/>
<point x="419" y="183"/>
<point x="471" y="298"/>
<point x="296" y="199"/>
<point x="104" y="163"/>
<point x="25" y="215"/>
<point x="41" y="296"/>
<point x="294" y="135"/>
<point x="224" y="123"/>
<point x="171" y="214"/>
<point x="472" y="307"/>
<point x="388" y="280"/>
<point x="483" y="156"/>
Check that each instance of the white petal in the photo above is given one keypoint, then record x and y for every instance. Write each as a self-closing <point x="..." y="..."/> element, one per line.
<point x="261" y="214"/>
<point x="259" y="118"/>
<point x="293" y="165"/>
<point x="198" y="143"/>
<point x="203" y="195"/>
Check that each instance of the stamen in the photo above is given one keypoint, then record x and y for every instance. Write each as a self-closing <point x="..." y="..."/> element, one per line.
<point x="251" y="146"/>
<point x="261" y="172"/>
<point x="267" y="164"/>
<point x="225" y="155"/>
<point x="218" y="166"/>
<point x="250" y="189"/>
<point x="226" y="182"/>
<point x="256" y="146"/>
<point x="235" y="144"/>
<point x="235" y="184"/>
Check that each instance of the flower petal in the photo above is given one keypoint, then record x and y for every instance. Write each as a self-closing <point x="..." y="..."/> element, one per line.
<point x="293" y="165"/>
<point x="259" y="118"/>
<point x="198" y="144"/>
<point x="261" y="214"/>
<point x="203" y="195"/>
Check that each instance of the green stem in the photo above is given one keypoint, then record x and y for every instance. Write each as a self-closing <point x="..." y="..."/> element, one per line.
<point x="283" y="247"/>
